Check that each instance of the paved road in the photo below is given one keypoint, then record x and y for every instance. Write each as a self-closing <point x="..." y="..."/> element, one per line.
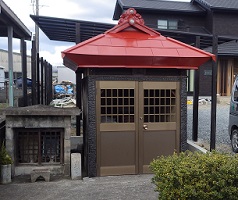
<point x="137" y="187"/>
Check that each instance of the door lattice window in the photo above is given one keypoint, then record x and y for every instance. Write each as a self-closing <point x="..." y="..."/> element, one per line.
<point x="117" y="105"/>
<point x="39" y="146"/>
<point x="159" y="105"/>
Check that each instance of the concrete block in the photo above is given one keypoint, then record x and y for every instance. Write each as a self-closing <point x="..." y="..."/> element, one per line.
<point x="67" y="144"/>
<point x="9" y="134"/>
<point x="66" y="158"/>
<point x="67" y="169"/>
<point x="27" y="169"/>
<point x="76" y="172"/>
<point x="67" y="133"/>
<point x="36" y="173"/>
<point x="194" y="147"/>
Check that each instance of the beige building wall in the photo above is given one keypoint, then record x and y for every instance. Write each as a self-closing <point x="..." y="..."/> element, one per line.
<point x="17" y="67"/>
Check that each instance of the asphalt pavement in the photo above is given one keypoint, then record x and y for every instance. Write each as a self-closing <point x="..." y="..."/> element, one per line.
<point x="127" y="187"/>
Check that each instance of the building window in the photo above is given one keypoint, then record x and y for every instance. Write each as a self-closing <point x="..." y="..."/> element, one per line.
<point x="6" y="75"/>
<point x="159" y="105"/>
<point x="117" y="105"/>
<point x="39" y="146"/>
<point x="162" y="24"/>
<point x="168" y="24"/>
<point x="15" y="75"/>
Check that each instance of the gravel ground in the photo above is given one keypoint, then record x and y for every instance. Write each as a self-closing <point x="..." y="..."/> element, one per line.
<point x="204" y="124"/>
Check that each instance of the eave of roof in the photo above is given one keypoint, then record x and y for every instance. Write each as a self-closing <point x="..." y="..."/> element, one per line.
<point x="162" y="6"/>
<point x="60" y="29"/>
<point x="222" y="6"/>
<point x="8" y="17"/>
<point x="226" y="49"/>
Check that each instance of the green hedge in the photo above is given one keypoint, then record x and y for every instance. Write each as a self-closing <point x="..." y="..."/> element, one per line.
<point x="196" y="176"/>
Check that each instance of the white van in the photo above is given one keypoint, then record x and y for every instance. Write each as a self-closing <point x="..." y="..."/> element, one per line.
<point x="233" y="117"/>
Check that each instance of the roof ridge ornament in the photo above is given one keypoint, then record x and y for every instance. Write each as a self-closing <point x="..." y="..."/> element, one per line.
<point x="132" y="17"/>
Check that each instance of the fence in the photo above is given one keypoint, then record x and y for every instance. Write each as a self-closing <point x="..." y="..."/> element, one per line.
<point x="2" y="132"/>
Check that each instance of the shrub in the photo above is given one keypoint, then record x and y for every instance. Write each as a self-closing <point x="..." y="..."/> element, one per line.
<point x="5" y="158"/>
<point x="196" y="176"/>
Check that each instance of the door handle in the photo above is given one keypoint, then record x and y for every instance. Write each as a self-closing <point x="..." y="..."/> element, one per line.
<point x="145" y="126"/>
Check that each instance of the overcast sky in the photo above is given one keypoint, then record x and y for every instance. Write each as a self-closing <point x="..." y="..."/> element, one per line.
<point x="90" y="10"/>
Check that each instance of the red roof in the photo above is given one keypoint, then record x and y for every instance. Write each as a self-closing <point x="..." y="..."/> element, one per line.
<point x="131" y="44"/>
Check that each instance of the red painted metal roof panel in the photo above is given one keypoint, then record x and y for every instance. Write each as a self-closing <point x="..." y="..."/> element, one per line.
<point x="104" y="42"/>
<point x="138" y="51"/>
<point x="122" y="42"/>
<point x="150" y="43"/>
<point x="111" y="51"/>
<point x="132" y="45"/>
<point x="165" y="52"/>
<point x="170" y="44"/>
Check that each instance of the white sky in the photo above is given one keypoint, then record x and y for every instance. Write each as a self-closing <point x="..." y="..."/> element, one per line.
<point x="90" y="10"/>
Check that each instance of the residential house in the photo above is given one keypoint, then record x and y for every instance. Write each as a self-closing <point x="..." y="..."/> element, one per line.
<point x="186" y="20"/>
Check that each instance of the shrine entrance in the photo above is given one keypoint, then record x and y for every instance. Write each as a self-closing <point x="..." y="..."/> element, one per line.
<point x="133" y="95"/>
<point x="137" y="121"/>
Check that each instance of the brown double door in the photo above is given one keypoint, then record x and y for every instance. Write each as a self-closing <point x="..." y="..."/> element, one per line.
<point x="136" y="122"/>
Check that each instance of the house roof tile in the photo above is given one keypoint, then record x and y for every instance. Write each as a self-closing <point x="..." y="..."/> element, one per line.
<point x="219" y="4"/>
<point x="226" y="49"/>
<point x="157" y="5"/>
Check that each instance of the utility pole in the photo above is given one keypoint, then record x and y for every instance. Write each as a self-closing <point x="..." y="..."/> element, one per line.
<point x="37" y="28"/>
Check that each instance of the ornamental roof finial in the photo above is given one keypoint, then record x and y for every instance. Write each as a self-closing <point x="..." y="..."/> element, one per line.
<point x="131" y="16"/>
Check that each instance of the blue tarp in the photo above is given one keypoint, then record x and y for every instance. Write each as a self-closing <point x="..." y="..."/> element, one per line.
<point x="62" y="89"/>
<point x="59" y="89"/>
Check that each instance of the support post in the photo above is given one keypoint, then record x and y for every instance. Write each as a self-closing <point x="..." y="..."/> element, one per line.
<point x="78" y="100"/>
<point x="195" y="98"/>
<point x="78" y="86"/>
<point x="33" y="72"/>
<point x="38" y="78"/>
<point x="42" y="80"/>
<point x="10" y="66"/>
<point x="48" y="83"/>
<point x="46" y="66"/>
<point x="49" y="89"/>
<point x="24" y="72"/>
<point x="214" y="94"/>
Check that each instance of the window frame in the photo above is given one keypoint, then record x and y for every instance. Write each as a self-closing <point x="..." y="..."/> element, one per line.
<point x="166" y="24"/>
<point x="39" y="133"/>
